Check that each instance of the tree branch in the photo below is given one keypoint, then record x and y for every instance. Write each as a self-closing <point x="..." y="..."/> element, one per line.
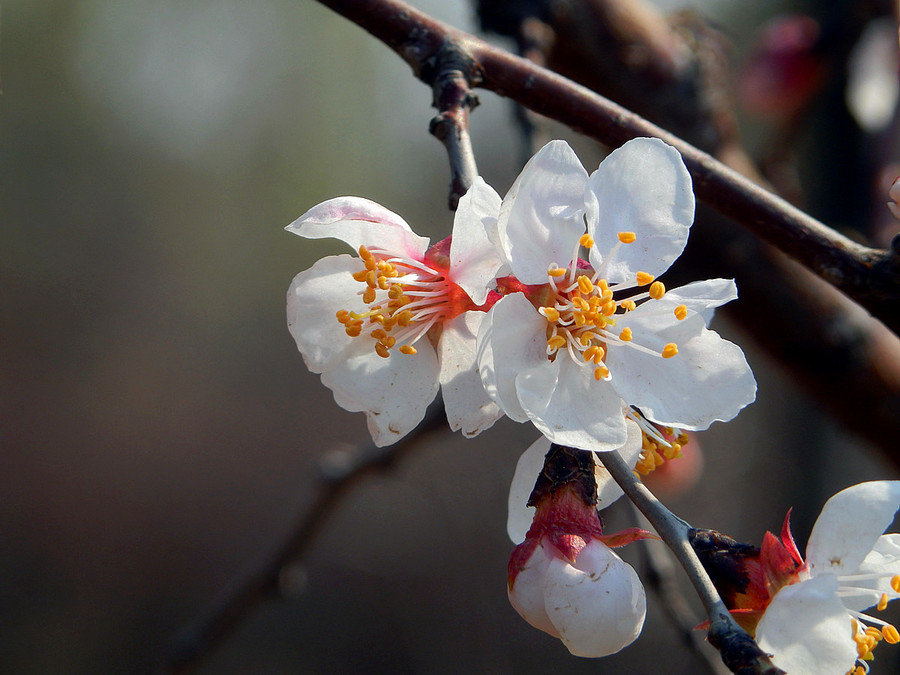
<point x="869" y="276"/>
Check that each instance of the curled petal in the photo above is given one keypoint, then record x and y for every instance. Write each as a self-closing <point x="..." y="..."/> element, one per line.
<point x="360" y="222"/>
<point x="393" y="392"/>
<point x="474" y="260"/>
<point x="468" y="406"/>
<point x="540" y="220"/>
<point x="526" y="594"/>
<point x="808" y="630"/>
<point x="528" y="468"/>
<point x="643" y="187"/>
<point x="598" y="605"/>
<point x="850" y="525"/>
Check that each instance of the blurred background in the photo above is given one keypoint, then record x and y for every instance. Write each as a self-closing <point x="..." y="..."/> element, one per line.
<point x="160" y="433"/>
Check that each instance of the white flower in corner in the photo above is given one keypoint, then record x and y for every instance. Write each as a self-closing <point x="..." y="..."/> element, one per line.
<point x="572" y="339"/>
<point x="814" y="624"/>
<point x="389" y="327"/>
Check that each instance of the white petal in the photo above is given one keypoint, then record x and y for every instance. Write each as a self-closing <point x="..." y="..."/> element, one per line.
<point x="850" y="524"/>
<point x="541" y="217"/>
<point x="883" y="560"/>
<point x="474" y="260"/>
<point x="393" y="392"/>
<point x="570" y="407"/>
<point x="608" y="490"/>
<point x="643" y="187"/>
<point x="808" y="629"/>
<point x="360" y="222"/>
<point x="312" y="300"/>
<point x="704" y="296"/>
<point x="599" y="605"/>
<point x="527" y="594"/>
<point x="528" y="468"/>
<point x="512" y="336"/>
<point x="707" y="380"/>
<point x="467" y="404"/>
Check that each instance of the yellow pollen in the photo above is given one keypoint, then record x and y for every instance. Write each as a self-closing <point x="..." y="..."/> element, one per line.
<point x="585" y="284"/>
<point x="625" y="335"/>
<point x="669" y="350"/>
<point x="609" y="308"/>
<point x="407" y="349"/>
<point x="383" y="283"/>
<point x="586" y="338"/>
<point x="372" y="278"/>
<point x="364" y="253"/>
<point x="606" y="295"/>
<point x="550" y="313"/>
<point x="882" y="602"/>
<point x="895" y="583"/>
<point x="557" y="271"/>
<point x="586" y="240"/>
<point x="556" y="342"/>
<point x="389" y="341"/>
<point x="594" y="353"/>
<point x="643" y="278"/>
<point x="381" y="350"/>
<point x="361" y="275"/>
<point x="378" y="334"/>
<point x="369" y="295"/>
<point x="628" y="305"/>
<point x="343" y="316"/>
<point x="353" y="330"/>
<point x="581" y="304"/>
<point x="627" y="237"/>
<point x="681" y="312"/>
<point x="891" y="636"/>
<point x="600" y="372"/>
<point x="657" y="290"/>
<point x="683" y="438"/>
<point x="395" y="292"/>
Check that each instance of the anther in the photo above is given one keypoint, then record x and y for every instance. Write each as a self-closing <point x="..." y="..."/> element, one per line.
<point x="625" y="335"/>
<point x="395" y="291"/>
<point x="372" y="278"/>
<point x="369" y="295"/>
<point x="354" y="330"/>
<point x="343" y="316"/>
<point x="681" y="312"/>
<point x="557" y="271"/>
<point x="600" y="372"/>
<point x="365" y="254"/>
<point x="383" y="283"/>
<point x="361" y="275"/>
<point x="378" y="334"/>
<point x="550" y="313"/>
<point x="404" y="318"/>
<point x="657" y="290"/>
<point x="381" y="350"/>
<point x="891" y="636"/>
<point x="628" y="305"/>
<point x="669" y="350"/>
<point x="586" y="240"/>
<point x="643" y="278"/>
<point x="556" y="342"/>
<point x="627" y="237"/>
<point x="585" y="284"/>
<point x="895" y="583"/>
<point x="882" y="602"/>
<point x="407" y="349"/>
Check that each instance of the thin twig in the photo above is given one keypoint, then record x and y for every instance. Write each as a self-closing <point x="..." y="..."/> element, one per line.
<point x="340" y="473"/>
<point x="869" y="276"/>
<point x="739" y="652"/>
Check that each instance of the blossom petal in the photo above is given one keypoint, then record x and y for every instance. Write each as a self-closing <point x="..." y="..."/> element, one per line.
<point x="474" y="260"/>
<point x="643" y="187"/>
<point x="312" y="300"/>
<point x="707" y="380"/>
<point x="512" y="336"/>
<point x="598" y="606"/>
<point x="527" y="593"/>
<point x="808" y="630"/>
<point x="704" y="296"/>
<point x="541" y="218"/>
<point x="608" y="490"/>
<point x="528" y="468"/>
<point x="849" y="526"/>
<point x="468" y="406"/>
<point x="882" y="564"/>
<point x="393" y="392"/>
<point x="360" y="222"/>
<point x="570" y="407"/>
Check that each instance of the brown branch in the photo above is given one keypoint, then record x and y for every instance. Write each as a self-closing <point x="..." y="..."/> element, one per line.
<point x="340" y="473"/>
<point x="869" y="276"/>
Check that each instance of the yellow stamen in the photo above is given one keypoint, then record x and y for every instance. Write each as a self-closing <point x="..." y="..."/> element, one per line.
<point x="369" y="295"/>
<point x="343" y="316"/>
<point x="681" y="312"/>
<point x="354" y="330"/>
<point x="389" y="341"/>
<point x="627" y="237"/>
<point x="364" y="253"/>
<point x="891" y="636"/>
<point x="378" y="334"/>
<point x="383" y="283"/>
<point x="643" y="278"/>
<point x="600" y="372"/>
<point x="381" y="350"/>
<point x="361" y="275"/>
<point x="669" y="350"/>
<point x="586" y="240"/>
<point x="882" y="603"/>
<point x="628" y="305"/>
<point x="407" y="349"/>
<point x="657" y="290"/>
<point x="556" y="342"/>
<point x="895" y="583"/>
<point x="395" y="291"/>
<point x="557" y="271"/>
<point x="625" y="335"/>
<point x="584" y="283"/>
<point x="550" y="313"/>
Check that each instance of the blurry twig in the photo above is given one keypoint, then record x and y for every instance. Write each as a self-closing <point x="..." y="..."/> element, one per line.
<point x="739" y="652"/>
<point x="340" y="473"/>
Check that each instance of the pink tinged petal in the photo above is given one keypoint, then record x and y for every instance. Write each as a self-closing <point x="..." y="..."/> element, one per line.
<point x="608" y="490"/>
<point x="708" y="379"/>
<point x="474" y="260"/>
<point x="528" y="468"/>
<point x="468" y="406"/>
<point x="527" y="593"/>
<point x="849" y="526"/>
<point x="541" y="217"/>
<point x="570" y="407"/>
<point x="512" y="337"/>
<point x="360" y="222"/>
<point x="314" y="296"/>
<point x="643" y="187"/>
<point x="599" y="605"/>
<point x="393" y="392"/>
<point x="808" y="630"/>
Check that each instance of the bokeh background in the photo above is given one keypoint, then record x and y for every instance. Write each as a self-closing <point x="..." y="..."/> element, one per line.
<point x="160" y="433"/>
